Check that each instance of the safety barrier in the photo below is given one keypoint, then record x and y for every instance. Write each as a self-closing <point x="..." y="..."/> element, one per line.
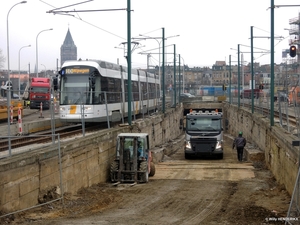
<point x="41" y="110"/>
<point x="20" y="125"/>
<point x="11" y="114"/>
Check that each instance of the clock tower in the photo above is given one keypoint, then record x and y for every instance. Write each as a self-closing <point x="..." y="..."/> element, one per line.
<point x="68" y="50"/>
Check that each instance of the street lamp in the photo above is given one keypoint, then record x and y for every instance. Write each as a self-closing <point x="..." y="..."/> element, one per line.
<point x="45" y="70"/>
<point x="8" y="65"/>
<point x="8" y="73"/>
<point x="19" y="66"/>
<point x="36" y="63"/>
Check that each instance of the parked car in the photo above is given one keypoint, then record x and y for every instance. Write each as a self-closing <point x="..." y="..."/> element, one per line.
<point x="186" y="95"/>
<point x="15" y="96"/>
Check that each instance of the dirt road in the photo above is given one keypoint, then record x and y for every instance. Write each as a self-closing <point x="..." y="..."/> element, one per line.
<point x="200" y="191"/>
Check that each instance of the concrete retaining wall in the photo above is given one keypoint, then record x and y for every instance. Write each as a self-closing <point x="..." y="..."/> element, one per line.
<point x="276" y="143"/>
<point x="34" y="177"/>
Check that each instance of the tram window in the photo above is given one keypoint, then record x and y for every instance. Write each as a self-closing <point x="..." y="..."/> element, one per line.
<point x="118" y="87"/>
<point x="112" y="87"/>
<point x="151" y="90"/>
<point x="126" y="85"/>
<point x="111" y="84"/>
<point x="104" y="84"/>
<point x="135" y="90"/>
<point x="144" y="90"/>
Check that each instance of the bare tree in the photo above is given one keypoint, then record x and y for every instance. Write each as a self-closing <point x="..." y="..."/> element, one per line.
<point x="2" y="59"/>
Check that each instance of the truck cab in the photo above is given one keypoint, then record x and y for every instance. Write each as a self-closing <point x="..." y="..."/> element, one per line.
<point x="203" y="134"/>
<point x="40" y="93"/>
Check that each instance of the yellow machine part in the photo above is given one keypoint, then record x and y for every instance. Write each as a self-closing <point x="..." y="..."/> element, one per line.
<point x="16" y="106"/>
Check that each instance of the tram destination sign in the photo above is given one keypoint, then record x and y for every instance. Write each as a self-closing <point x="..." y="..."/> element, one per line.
<point x="77" y="71"/>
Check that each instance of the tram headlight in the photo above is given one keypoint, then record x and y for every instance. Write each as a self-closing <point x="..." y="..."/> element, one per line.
<point x="87" y="108"/>
<point x="62" y="108"/>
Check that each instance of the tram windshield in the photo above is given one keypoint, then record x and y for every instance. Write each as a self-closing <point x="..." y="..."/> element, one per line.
<point x="75" y="88"/>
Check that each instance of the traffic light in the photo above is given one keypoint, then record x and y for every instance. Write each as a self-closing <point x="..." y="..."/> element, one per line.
<point x="55" y="83"/>
<point x="224" y="87"/>
<point x="293" y="51"/>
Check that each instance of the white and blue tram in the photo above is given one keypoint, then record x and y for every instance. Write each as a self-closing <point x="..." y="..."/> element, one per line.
<point x="95" y="91"/>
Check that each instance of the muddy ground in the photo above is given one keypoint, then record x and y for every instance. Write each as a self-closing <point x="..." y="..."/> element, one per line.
<point x="197" y="191"/>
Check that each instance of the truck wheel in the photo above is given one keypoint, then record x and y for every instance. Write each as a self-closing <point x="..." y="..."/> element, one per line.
<point x="144" y="176"/>
<point x="114" y="171"/>
<point x="152" y="169"/>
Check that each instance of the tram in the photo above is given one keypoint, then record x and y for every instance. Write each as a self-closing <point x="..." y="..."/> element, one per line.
<point x="97" y="91"/>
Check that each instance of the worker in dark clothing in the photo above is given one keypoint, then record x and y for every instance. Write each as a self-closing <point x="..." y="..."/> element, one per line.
<point x="239" y="142"/>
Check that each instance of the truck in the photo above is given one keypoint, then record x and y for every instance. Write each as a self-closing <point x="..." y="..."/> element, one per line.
<point x="133" y="159"/>
<point x="39" y="92"/>
<point x="203" y="134"/>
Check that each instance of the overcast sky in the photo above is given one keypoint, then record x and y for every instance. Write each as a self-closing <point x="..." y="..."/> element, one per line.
<point x="208" y="30"/>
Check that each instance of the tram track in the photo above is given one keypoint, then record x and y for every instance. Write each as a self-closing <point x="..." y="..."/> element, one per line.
<point x="43" y="137"/>
<point x="46" y="136"/>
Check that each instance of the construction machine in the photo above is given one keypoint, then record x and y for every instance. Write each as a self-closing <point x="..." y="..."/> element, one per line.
<point x="133" y="160"/>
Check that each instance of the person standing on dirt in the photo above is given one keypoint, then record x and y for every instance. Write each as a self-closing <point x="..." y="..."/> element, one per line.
<point x="239" y="142"/>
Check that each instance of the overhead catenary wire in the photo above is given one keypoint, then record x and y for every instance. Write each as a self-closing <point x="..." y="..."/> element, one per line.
<point x="79" y="18"/>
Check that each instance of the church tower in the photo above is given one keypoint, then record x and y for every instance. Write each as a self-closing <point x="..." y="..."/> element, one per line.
<point x="68" y="51"/>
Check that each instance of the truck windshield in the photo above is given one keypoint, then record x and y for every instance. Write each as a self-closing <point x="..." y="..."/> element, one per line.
<point x="40" y="89"/>
<point x="203" y="124"/>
